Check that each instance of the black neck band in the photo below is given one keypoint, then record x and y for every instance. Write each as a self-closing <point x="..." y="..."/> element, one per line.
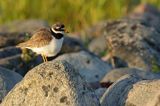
<point x="56" y="35"/>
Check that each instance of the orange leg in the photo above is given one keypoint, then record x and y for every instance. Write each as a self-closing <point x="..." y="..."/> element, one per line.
<point x="44" y="58"/>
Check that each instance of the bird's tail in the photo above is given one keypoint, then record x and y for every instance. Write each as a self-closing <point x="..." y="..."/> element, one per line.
<point x="22" y="45"/>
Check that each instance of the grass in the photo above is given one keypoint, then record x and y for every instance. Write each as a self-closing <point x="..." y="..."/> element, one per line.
<point x="155" y="66"/>
<point x="77" y="14"/>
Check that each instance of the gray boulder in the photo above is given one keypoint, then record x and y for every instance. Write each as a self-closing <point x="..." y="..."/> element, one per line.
<point x="115" y="74"/>
<point x="133" y="39"/>
<point x="71" y="44"/>
<point x="88" y="65"/>
<point x="100" y="91"/>
<point x="8" y="79"/>
<point x="147" y="13"/>
<point x="20" y="63"/>
<point x="11" y="62"/>
<point x="9" y="51"/>
<point x="98" y="45"/>
<point x="117" y="93"/>
<point x="11" y="39"/>
<point x="135" y="42"/>
<point x="54" y="83"/>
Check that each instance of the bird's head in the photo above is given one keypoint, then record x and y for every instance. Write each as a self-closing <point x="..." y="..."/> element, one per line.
<point x="59" y="28"/>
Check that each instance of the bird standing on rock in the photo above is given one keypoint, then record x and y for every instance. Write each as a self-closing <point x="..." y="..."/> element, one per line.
<point x="47" y="42"/>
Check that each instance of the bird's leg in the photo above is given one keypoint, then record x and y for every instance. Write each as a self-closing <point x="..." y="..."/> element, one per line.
<point x="43" y="58"/>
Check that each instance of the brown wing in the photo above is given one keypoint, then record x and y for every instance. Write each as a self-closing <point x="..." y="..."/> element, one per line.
<point x="40" y="38"/>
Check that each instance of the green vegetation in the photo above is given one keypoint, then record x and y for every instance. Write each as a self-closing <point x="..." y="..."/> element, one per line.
<point x="76" y="14"/>
<point x="155" y="66"/>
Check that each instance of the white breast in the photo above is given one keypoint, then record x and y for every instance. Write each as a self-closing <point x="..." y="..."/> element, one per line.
<point x="50" y="50"/>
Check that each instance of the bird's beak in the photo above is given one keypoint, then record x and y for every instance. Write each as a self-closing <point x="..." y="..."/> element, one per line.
<point x="66" y="31"/>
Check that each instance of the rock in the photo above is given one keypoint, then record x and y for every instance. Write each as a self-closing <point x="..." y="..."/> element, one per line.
<point x="71" y="45"/>
<point x="11" y="62"/>
<point x="147" y="14"/>
<point x="146" y="8"/>
<point x="126" y="34"/>
<point x="52" y="84"/>
<point x="17" y="64"/>
<point x="115" y="74"/>
<point x="87" y="64"/>
<point x="98" y="45"/>
<point x="140" y="30"/>
<point x="11" y="39"/>
<point x="8" y="79"/>
<point x="9" y="51"/>
<point x="23" y="26"/>
<point x="117" y="93"/>
<point x="144" y="93"/>
<point x="100" y="91"/>
<point x="115" y="62"/>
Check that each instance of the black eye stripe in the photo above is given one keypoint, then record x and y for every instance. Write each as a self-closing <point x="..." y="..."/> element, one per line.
<point x="56" y="35"/>
<point x="56" y="29"/>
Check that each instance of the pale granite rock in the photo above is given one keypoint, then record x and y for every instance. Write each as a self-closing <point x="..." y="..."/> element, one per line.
<point x="53" y="83"/>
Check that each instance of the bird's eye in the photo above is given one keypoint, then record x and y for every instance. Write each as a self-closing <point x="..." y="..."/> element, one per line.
<point x="57" y="28"/>
<point x="62" y="26"/>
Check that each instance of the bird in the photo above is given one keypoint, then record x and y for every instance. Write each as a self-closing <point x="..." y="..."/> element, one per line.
<point x="46" y="41"/>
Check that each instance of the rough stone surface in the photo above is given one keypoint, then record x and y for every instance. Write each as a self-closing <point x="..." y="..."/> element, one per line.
<point x="136" y="34"/>
<point x="71" y="45"/>
<point x="117" y="93"/>
<point x="23" y="26"/>
<point x="8" y="79"/>
<point x="19" y="64"/>
<point x="51" y="84"/>
<point x="134" y="42"/>
<point x="9" y="51"/>
<point x="115" y="74"/>
<point x="98" y="45"/>
<point x="100" y="91"/>
<point x="11" y="39"/>
<point x="144" y="93"/>
<point x="87" y="64"/>
<point x="147" y="13"/>
<point x="11" y="62"/>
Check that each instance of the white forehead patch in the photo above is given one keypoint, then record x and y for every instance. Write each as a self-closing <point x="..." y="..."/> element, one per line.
<point x="57" y="31"/>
